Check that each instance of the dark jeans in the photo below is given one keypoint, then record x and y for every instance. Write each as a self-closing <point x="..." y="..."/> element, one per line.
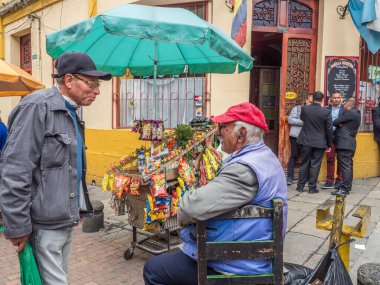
<point x="295" y="150"/>
<point x="311" y="159"/>
<point x="330" y="159"/>
<point x="172" y="269"/>
<point x="346" y="164"/>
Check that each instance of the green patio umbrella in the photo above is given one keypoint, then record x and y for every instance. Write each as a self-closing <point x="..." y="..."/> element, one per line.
<point x="140" y="38"/>
<point x="151" y="41"/>
<point x="29" y="274"/>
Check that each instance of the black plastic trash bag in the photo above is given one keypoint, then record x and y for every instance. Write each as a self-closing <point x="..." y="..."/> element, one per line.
<point x="296" y="274"/>
<point x="330" y="270"/>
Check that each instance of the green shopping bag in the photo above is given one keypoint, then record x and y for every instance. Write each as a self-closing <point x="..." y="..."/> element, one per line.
<point x="29" y="274"/>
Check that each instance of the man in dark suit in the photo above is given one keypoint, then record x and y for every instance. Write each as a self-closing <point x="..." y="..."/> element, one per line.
<point x="337" y="108"/>
<point x="345" y="143"/>
<point x="376" y="122"/>
<point x="315" y="137"/>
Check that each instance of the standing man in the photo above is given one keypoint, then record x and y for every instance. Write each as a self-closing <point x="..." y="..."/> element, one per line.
<point x="295" y="127"/>
<point x="376" y="122"/>
<point x="336" y="107"/>
<point x="43" y="171"/>
<point x="251" y="175"/>
<point x="345" y="143"/>
<point x="316" y="136"/>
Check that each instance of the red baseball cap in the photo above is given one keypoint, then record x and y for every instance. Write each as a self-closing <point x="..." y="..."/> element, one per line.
<point x="246" y="112"/>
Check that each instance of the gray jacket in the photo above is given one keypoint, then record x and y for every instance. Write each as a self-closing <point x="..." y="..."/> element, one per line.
<point x="38" y="169"/>
<point x="235" y="185"/>
<point x="295" y="122"/>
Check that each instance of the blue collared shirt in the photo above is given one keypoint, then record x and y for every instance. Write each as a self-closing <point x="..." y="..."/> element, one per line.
<point x="335" y="114"/>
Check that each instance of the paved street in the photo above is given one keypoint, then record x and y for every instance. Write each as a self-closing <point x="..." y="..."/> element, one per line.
<point x="98" y="258"/>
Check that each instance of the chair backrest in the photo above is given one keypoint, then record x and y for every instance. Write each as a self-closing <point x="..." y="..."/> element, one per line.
<point x="235" y="250"/>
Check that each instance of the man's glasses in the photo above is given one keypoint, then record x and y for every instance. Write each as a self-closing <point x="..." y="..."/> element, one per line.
<point x="89" y="83"/>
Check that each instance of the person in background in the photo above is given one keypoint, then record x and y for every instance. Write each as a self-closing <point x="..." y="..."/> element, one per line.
<point x="251" y="175"/>
<point x="3" y="134"/>
<point x="316" y="137"/>
<point x="347" y="127"/>
<point x="337" y="108"/>
<point x="376" y="122"/>
<point x="43" y="189"/>
<point x="295" y="127"/>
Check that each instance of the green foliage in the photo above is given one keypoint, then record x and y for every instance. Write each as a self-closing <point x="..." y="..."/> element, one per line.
<point x="183" y="134"/>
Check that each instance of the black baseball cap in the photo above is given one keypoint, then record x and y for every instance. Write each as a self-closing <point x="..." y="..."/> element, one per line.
<point x="78" y="63"/>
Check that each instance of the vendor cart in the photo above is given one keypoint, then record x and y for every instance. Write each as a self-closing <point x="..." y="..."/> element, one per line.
<point x="154" y="242"/>
<point x="160" y="235"/>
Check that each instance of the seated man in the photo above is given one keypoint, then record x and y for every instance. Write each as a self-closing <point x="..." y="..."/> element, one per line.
<point x="251" y="175"/>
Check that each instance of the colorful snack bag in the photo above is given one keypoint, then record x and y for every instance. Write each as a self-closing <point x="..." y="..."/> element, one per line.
<point x="186" y="172"/>
<point x="118" y="185"/>
<point x="105" y="182"/>
<point x="157" y="216"/>
<point x="158" y="185"/>
<point x="202" y="170"/>
<point x="111" y="179"/>
<point x="217" y="154"/>
<point x="146" y="130"/>
<point x="174" y="203"/>
<point x="209" y="171"/>
<point x="134" y="187"/>
<point x="127" y="184"/>
<point x="211" y="158"/>
<point x="148" y="225"/>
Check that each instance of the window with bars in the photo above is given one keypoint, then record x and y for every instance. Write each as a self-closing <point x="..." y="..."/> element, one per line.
<point x="178" y="98"/>
<point x="369" y="90"/>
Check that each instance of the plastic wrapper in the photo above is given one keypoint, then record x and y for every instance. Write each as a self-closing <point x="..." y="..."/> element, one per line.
<point x="174" y="203"/>
<point x="209" y="171"/>
<point x="186" y="172"/>
<point x="105" y="182"/>
<point x="218" y="156"/>
<point x="157" y="130"/>
<point x="202" y="170"/>
<point x="119" y="184"/>
<point x="111" y="179"/>
<point x="212" y="160"/>
<point x="146" y="133"/>
<point x="134" y="187"/>
<point x="158" y="185"/>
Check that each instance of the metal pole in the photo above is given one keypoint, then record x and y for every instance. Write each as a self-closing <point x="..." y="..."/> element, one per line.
<point x="154" y="89"/>
<point x="337" y="221"/>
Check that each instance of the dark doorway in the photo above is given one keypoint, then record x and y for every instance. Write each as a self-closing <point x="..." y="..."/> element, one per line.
<point x="265" y="81"/>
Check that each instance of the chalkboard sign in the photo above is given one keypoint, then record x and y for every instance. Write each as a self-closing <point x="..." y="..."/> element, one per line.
<point x="341" y="74"/>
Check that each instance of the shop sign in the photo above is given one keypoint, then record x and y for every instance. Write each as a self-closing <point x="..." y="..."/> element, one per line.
<point x="341" y="74"/>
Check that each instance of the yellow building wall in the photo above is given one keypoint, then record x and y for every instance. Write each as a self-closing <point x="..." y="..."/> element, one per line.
<point x="366" y="159"/>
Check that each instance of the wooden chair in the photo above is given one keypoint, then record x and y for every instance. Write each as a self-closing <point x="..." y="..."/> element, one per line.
<point x="233" y="250"/>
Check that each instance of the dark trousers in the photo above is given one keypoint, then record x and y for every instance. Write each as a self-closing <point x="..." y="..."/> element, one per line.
<point x="330" y="159"/>
<point x="311" y="159"/>
<point x="295" y="150"/>
<point x="346" y="164"/>
<point x="172" y="269"/>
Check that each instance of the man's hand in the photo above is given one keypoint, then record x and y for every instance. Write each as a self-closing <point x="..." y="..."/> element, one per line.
<point x="20" y="242"/>
<point x="328" y="149"/>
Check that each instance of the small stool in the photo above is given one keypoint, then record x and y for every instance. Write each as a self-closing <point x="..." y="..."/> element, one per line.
<point x="95" y="221"/>
<point x="369" y="274"/>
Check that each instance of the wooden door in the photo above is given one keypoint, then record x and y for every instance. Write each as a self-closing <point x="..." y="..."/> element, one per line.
<point x="269" y="103"/>
<point x="298" y="73"/>
<point x="26" y="53"/>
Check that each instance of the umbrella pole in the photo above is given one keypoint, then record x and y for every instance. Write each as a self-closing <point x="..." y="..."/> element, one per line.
<point x="154" y="88"/>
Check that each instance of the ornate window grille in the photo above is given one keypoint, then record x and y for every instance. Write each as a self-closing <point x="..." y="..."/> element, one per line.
<point x="300" y="15"/>
<point x="265" y="13"/>
<point x="369" y="89"/>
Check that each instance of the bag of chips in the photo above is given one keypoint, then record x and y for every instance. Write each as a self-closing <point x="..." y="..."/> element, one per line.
<point x="146" y="133"/>
<point x="209" y="171"/>
<point x="202" y="170"/>
<point x="158" y="185"/>
<point x="186" y="172"/>
<point x="134" y="187"/>
<point x="105" y="182"/>
<point x="111" y="179"/>
<point x="211" y="158"/>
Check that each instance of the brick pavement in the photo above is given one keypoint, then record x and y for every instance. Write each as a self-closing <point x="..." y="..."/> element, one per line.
<point x="97" y="258"/>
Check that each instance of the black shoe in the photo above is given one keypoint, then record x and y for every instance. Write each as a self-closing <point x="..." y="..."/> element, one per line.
<point x="337" y="184"/>
<point x="299" y="189"/>
<point x="313" y="191"/>
<point x="340" y="192"/>
<point x="289" y="181"/>
<point x="328" y="185"/>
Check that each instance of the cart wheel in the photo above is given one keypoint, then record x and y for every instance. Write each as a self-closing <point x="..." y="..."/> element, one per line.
<point x="128" y="254"/>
